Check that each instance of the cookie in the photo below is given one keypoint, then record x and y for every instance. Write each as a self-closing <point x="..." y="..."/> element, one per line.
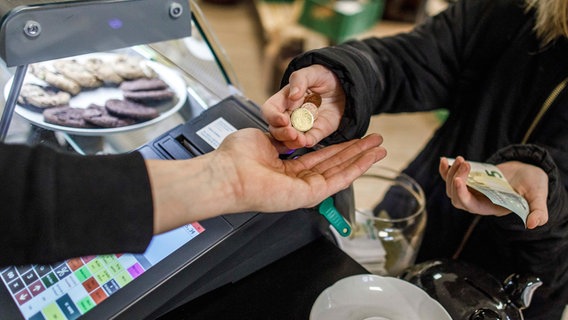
<point x="77" y="72"/>
<point x="103" y="71"/>
<point x="129" y="67"/>
<point x="149" y="96"/>
<point x="42" y="96"/>
<point x="144" y="84"/>
<point x="66" y="116"/>
<point x="99" y="116"/>
<point x="130" y="109"/>
<point x="57" y="80"/>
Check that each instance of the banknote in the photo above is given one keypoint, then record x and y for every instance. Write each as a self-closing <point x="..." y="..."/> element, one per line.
<point x="490" y="181"/>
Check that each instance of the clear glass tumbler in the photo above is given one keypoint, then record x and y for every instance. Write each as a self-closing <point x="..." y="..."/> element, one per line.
<point x="388" y="221"/>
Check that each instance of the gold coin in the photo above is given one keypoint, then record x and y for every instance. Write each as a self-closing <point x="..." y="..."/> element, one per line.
<point x="312" y="108"/>
<point x="302" y="119"/>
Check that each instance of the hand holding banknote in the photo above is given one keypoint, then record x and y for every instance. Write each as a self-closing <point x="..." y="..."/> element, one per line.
<point x="487" y="189"/>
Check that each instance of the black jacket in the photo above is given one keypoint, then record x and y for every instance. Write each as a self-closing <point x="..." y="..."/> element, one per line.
<point x="479" y="59"/>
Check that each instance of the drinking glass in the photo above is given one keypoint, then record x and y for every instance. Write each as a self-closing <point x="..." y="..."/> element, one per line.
<point x="388" y="221"/>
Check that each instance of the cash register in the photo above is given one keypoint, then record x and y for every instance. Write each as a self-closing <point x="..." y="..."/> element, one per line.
<point x="172" y="37"/>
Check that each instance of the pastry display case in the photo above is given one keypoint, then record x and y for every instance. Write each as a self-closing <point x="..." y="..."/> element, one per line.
<point x="186" y="56"/>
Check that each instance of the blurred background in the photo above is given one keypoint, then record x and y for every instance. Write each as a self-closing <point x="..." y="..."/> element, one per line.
<point x="261" y="36"/>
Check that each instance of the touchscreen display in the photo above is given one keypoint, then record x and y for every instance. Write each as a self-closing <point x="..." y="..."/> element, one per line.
<point x="71" y="288"/>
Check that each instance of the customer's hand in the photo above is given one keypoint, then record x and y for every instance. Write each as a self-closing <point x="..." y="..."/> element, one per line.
<point x="276" y="110"/>
<point x="529" y="181"/>
<point x="246" y="174"/>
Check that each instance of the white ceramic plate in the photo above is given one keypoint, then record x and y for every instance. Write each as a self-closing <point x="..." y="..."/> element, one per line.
<point x="100" y="95"/>
<point x="374" y="297"/>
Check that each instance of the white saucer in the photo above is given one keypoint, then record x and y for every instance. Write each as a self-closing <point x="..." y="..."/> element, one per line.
<point x="374" y="297"/>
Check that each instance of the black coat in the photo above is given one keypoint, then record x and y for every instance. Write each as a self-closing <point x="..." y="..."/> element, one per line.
<point x="480" y="60"/>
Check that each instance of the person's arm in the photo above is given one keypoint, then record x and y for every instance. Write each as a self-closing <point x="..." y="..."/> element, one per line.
<point x="540" y="248"/>
<point x="530" y="181"/>
<point x="542" y="251"/>
<point x="415" y="71"/>
<point x="58" y="206"/>
<point x="531" y="171"/>
<point x="556" y="198"/>
<point x="233" y="179"/>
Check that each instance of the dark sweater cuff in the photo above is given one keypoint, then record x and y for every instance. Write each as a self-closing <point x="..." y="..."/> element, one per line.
<point x="110" y="201"/>
<point x="530" y="154"/>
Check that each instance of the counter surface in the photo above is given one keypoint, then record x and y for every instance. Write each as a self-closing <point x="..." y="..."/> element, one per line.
<point x="285" y="289"/>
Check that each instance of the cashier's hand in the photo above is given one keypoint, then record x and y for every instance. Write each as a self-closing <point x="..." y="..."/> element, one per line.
<point x="246" y="174"/>
<point x="276" y="110"/>
<point x="529" y="181"/>
<point x="261" y="181"/>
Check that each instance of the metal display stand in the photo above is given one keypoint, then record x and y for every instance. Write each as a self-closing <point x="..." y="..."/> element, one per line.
<point x="11" y="101"/>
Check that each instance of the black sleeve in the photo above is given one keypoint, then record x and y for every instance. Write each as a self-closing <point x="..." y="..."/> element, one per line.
<point x="542" y="250"/>
<point x="415" y="71"/>
<point x="539" y="156"/>
<point x="57" y="205"/>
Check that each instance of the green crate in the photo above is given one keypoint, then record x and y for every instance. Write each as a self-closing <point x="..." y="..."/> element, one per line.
<point x="340" y="20"/>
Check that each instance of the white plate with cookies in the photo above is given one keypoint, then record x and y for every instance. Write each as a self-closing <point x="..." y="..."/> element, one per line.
<point x="88" y="87"/>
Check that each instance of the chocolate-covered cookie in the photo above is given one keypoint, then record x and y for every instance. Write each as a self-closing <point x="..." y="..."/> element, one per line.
<point x="66" y="116"/>
<point x="130" y="109"/>
<point x="99" y="116"/>
<point x="144" y="84"/>
<point x="149" y="96"/>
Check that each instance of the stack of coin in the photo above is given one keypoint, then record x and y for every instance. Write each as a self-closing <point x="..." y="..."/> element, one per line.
<point x="303" y="117"/>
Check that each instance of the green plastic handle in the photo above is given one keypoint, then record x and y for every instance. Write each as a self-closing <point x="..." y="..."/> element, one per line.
<point x="328" y="210"/>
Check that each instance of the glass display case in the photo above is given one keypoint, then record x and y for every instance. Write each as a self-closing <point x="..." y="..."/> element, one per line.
<point x="195" y="68"/>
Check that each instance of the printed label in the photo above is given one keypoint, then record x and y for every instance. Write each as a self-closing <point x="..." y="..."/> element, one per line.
<point x="215" y="132"/>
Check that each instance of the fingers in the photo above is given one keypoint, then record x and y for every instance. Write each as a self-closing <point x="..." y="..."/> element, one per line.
<point x="460" y="195"/>
<point x="342" y="166"/>
<point x="313" y="137"/>
<point x="342" y="176"/>
<point x="335" y="155"/>
<point x="457" y="190"/>
<point x="274" y="109"/>
<point x="281" y="148"/>
<point x="537" y="218"/>
<point x="443" y="168"/>
<point x="357" y="163"/>
<point x="531" y="183"/>
<point x="288" y="136"/>
<point x="326" y="123"/>
<point x="539" y="211"/>
<point x="458" y="169"/>
<point x="314" y="77"/>
<point x="297" y="87"/>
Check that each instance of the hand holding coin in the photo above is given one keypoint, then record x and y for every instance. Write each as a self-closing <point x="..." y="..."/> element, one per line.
<point x="303" y="118"/>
